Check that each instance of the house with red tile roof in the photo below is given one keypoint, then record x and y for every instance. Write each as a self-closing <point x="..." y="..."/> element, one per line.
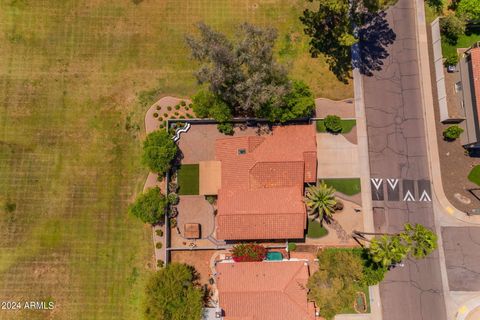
<point x="262" y="182"/>
<point x="468" y="92"/>
<point x="268" y="290"/>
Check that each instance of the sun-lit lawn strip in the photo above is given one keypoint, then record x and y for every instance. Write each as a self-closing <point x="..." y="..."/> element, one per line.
<point x="474" y="175"/>
<point x="348" y="186"/>
<point x="315" y="230"/>
<point x="464" y="41"/>
<point x="347" y="125"/>
<point x="187" y="176"/>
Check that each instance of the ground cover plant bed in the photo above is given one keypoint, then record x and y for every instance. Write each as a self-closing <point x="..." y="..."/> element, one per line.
<point x="188" y="179"/>
<point x="474" y="175"/>
<point x="347" y="126"/>
<point x="347" y="186"/>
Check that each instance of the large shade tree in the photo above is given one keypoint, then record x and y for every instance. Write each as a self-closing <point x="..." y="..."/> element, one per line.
<point x="150" y="206"/>
<point x="332" y="287"/>
<point x="243" y="77"/>
<point x="173" y="293"/>
<point x="320" y="201"/>
<point x="159" y="150"/>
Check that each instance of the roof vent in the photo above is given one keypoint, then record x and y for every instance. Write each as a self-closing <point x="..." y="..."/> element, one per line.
<point x="242" y="151"/>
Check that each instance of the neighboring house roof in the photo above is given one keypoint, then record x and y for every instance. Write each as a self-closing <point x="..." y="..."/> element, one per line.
<point x="262" y="179"/>
<point x="264" y="290"/>
<point x="470" y="94"/>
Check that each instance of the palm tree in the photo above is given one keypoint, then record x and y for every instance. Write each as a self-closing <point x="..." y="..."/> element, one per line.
<point x="387" y="250"/>
<point x="320" y="201"/>
<point x="422" y="240"/>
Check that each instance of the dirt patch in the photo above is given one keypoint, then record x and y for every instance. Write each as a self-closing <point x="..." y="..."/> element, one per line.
<point x="199" y="259"/>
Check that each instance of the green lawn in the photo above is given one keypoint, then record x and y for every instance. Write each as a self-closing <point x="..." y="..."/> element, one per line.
<point x="71" y="125"/>
<point x="474" y="175"/>
<point x="465" y="41"/>
<point x="315" y="230"/>
<point x="347" y="125"/>
<point x="348" y="186"/>
<point x="187" y="176"/>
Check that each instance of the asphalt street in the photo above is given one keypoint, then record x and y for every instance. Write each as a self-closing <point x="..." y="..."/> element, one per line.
<point x="398" y="162"/>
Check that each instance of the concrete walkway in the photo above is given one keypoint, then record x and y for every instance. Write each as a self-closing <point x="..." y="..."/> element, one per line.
<point x="337" y="157"/>
<point x="343" y="108"/>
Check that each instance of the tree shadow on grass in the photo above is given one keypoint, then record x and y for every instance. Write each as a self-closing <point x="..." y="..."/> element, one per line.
<point x="375" y="35"/>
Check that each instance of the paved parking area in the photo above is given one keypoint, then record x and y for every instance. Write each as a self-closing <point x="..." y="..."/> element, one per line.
<point x="337" y="157"/>
<point x="462" y="257"/>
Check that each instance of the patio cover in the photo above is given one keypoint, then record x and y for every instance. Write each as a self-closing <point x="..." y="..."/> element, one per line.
<point x="210" y="177"/>
<point x="192" y="230"/>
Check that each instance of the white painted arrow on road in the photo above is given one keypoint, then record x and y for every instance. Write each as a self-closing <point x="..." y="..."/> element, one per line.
<point x="409" y="196"/>
<point x="393" y="183"/>
<point x="425" y="197"/>
<point x="377" y="182"/>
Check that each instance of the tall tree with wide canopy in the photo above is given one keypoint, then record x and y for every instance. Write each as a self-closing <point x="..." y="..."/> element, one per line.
<point x="421" y="240"/>
<point x="150" y="206"/>
<point x="172" y="293"/>
<point x="159" y="150"/>
<point x="243" y="77"/>
<point x="387" y="250"/>
<point x="320" y="201"/>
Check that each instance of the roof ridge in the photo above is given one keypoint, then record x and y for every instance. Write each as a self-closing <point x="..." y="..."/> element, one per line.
<point x="288" y="295"/>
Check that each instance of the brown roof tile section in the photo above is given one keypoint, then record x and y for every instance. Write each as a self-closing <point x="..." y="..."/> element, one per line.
<point x="262" y="184"/>
<point x="475" y="56"/>
<point x="264" y="290"/>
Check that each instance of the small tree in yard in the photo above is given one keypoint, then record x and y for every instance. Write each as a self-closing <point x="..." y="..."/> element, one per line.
<point x="150" y="206"/>
<point x="452" y="132"/>
<point x="159" y="150"/>
<point x="470" y="8"/>
<point x="422" y="241"/>
<point x="452" y="26"/>
<point x="387" y="250"/>
<point x="320" y="201"/>
<point x="248" y="252"/>
<point x="332" y="287"/>
<point x="333" y="123"/>
<point x="173" y="293"/>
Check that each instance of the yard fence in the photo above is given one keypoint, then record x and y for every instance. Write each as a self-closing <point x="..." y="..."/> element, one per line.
<point x="439" y="71"/>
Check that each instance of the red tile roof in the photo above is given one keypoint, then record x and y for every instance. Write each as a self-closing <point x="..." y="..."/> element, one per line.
<point x="262" y="183"/>
<point x="475" y="56"/>
<point x="264" y="290"/>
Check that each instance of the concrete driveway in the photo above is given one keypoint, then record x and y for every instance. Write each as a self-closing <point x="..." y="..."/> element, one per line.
<point x="337" y="157"/>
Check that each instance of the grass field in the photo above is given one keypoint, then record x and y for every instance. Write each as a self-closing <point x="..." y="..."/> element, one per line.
<point x="464" y="41"/>
<point x="348" y="186"/>
<point x="75" y="77"/>
<point x="347" y="125"/>
<point x="187" y="176"/>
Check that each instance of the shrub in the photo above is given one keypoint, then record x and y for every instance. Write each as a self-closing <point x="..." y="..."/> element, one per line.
<point x="173" y="223"/>
<point x="211" y="199"/>
<point x="247" y="252"/>
<point x="159" y="150"/>
<point x="169" y="108"/>
<point x="181" y="117"/>
<point x="226" y="128"/>
<point x="172" y="186"/>
<point x="177" y="107"/>
<point x="333" y="123"/>
<point x="183" y="103"/>
<point x="189" y="116"/>
<point x="451" y="60"/>
<point x="452" y="132"/>
<point x="158" y="107"/>
<point x="173" y="293"/>
<point x="165" y="115"/>
<point x="176" y="113"/>
<point x="452" y="26"/>
<point x="159" y="232"/>
<point x="338" y="206"/>
<point x="158" y="245"/>
<point x="149" y="206"/>
<point x="155" y="115"/>
<point x="173" y="117"/>
<point x="292" y="246"/>
<point x="160" y="263"/>
<point x="9" y="206"/>
<point x="160" y="119"/>
<point x="161" y="126"/>
<point x="187" y="108"/>
<point x="164" y="123"/>
<point x="173" y="198"/>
